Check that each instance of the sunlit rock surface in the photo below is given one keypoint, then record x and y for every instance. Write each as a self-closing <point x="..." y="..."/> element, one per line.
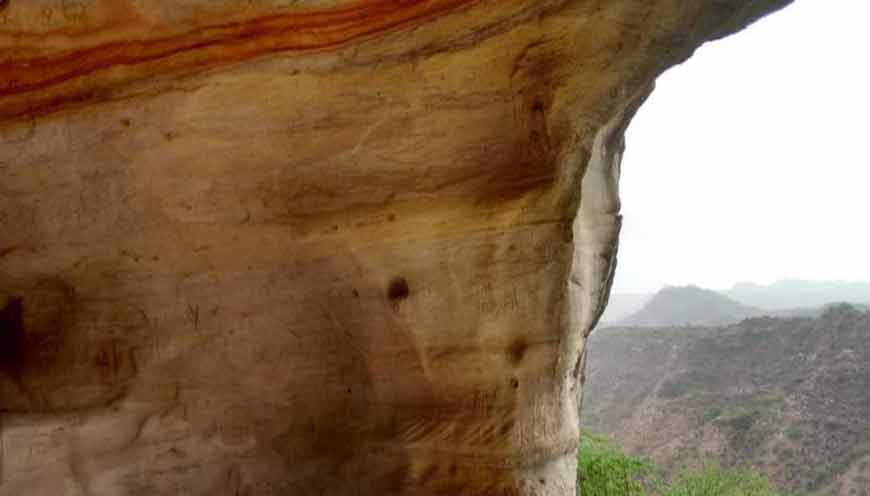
<point x="323" y="247"/>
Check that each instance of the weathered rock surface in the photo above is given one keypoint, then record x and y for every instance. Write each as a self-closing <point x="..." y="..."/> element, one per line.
<point x="313" y="247"/>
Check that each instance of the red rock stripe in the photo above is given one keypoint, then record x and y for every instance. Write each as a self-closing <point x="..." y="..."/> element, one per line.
<point x="226" y="43"/>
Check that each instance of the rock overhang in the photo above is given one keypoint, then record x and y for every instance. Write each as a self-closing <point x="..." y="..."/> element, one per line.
<point x="332" y="247"/>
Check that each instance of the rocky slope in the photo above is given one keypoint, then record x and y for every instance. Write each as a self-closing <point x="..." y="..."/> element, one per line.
<point x="789" y="396"/>
<point x="314" y="247"/>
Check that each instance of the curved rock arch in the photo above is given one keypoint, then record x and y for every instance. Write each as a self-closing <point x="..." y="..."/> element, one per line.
<point x="319" y="247"/>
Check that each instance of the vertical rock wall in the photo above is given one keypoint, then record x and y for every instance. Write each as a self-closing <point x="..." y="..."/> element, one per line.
<point x="318" y="247"/>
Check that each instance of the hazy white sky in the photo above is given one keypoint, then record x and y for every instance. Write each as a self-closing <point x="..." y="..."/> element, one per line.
<point x="751" y="161"/>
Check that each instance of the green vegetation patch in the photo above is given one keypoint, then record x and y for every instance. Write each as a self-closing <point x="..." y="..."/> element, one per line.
<point x="713" y="480"/>
<point x="605" y="470"/>
<point x="739" y="418"/>
<point x="712" y="413"/>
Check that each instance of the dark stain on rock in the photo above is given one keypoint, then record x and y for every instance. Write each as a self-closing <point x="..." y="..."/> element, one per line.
<point x="50" y="351"/>
<point x="429" y="475"/>
<point x="3" y="5"/>
<point x="507" y="427"/>
<point x="33" y="340"/>
<point x="517" y="351"/>
<point x="31" y="334"/>
<point x="4" y="252"/>
<point x="12" y="337"/>
<point x="111" y="360"/>
<point x="398" y="289"/>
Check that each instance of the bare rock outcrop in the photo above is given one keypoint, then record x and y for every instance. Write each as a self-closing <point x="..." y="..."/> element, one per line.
<point x="315" y="247"/>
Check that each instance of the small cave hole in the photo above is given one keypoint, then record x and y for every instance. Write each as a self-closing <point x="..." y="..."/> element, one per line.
<point x="12" y="334"/>
<point x="398" y="289"/>
<point x="517" y="351"/>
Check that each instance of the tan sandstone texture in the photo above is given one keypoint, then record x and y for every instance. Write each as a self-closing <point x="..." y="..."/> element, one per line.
<point x="313" y="247"/>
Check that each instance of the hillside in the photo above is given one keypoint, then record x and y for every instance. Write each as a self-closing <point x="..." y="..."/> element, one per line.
<point x="789" y="396"/>
<point x="674" y="306"/>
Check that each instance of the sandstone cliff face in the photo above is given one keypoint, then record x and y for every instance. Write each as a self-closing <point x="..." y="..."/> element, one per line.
<point x="313" y="247"/>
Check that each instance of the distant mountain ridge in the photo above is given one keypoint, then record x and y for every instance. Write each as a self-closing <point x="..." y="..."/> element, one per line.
<point x="789" y="297"/>
<point x="790" y="294"/>
<point x="689" y="305"/>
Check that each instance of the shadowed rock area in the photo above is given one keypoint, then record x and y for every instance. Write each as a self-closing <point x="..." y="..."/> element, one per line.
<point x="317" y="247"/>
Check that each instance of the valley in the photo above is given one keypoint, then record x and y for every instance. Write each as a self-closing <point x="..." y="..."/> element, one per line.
<point x="789" y="396"/>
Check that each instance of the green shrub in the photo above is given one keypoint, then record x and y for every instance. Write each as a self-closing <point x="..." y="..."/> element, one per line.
<point x="604" y="470"/>
<point x="711" y="414"/>
<point x="712" y="480"/>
